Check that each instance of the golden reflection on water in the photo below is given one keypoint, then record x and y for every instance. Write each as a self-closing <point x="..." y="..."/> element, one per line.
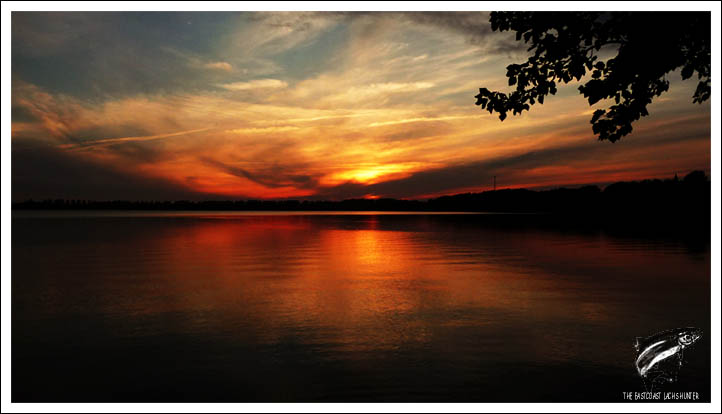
<point x="367" y="288"/>
<point x="410" y="291"/>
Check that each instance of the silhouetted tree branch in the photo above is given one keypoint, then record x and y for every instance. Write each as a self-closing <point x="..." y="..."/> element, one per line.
<point x="566" y="46"/>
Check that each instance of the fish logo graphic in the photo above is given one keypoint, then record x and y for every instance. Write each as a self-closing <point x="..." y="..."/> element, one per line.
<point x="660" y="356"/>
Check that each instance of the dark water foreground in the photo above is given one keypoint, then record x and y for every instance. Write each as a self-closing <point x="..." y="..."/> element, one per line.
<point x="367" y="307"/>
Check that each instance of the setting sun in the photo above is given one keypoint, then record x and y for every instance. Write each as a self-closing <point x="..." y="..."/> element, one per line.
<point x="364" y="206"/>
<point x="312" y="106"/>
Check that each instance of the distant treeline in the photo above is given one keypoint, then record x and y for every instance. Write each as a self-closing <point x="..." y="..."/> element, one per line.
<point x="690" y="196"/>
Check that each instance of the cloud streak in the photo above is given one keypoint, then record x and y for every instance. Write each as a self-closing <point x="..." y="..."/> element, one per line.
<point x="111" y="141"/>
<point x="223" y="66"/>
<point x="255" y="84"/>
<point x="312" y="105"/>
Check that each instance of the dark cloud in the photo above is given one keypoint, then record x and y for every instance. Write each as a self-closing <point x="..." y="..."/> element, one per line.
<point x="105" y="55"/>
<point x="454" y="177"/>
<point x="140" y="152"/>
<point x="513" y="169"/>
<point x="20" y="113"/>
<point x="274" y="176"/>
<point x="40" y="172"/>
<point x="474" y="26"/>
<point x="297" y="21"/>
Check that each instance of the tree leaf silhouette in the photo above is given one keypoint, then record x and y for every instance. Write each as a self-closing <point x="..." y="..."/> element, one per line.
<point x="566" y="47"/>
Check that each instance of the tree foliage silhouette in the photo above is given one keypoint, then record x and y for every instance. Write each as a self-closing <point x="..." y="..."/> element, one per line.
<point x="566" y="46"/>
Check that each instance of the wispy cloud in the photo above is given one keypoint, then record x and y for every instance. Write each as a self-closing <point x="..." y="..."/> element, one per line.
<point x="314" y="105"/>
<point x="423" y="119"/>
<point x="266" y="130"/>
<point x="255" y="84"/>
<point x="224" y="66"/>
<point x="110" y="141"/>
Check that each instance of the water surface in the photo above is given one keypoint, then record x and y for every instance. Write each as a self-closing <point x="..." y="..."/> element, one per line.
<point x="119" y="306"/>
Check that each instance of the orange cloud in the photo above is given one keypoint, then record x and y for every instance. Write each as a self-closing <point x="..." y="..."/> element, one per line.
<point x="224" y="66"/>
<point x="390" y="107"/>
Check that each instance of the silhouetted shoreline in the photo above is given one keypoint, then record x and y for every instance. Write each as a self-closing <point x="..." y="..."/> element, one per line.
<point x="690" y="197"/>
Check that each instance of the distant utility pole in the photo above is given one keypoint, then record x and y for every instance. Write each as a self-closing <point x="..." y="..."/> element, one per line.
<point x="494" y="183"/>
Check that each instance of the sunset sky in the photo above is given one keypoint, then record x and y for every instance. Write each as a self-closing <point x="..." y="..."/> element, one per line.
<point x="307" y="106"/>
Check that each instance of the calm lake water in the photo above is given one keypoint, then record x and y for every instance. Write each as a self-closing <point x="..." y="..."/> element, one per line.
<point x="123" y="306"/>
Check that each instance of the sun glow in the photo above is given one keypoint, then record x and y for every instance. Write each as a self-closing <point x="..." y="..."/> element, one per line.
<point x="298" y="111"/>
<point x="375" y="174"/>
